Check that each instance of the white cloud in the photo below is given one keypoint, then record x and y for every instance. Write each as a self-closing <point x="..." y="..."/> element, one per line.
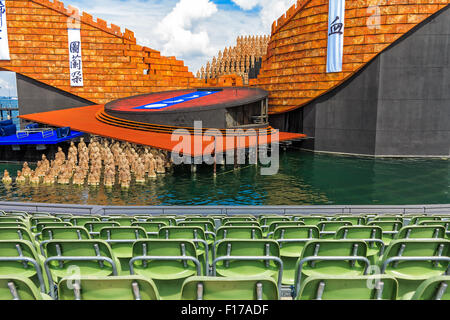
<point x="191" y="30"/>
<point x="180" y="32"/>
<point x="271" y="10"/>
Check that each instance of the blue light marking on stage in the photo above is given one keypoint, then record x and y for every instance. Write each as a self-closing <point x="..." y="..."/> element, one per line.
<point x="176" y="100"/>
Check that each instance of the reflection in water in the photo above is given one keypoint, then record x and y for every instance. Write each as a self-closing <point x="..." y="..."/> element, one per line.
<point x="304" y="178"/>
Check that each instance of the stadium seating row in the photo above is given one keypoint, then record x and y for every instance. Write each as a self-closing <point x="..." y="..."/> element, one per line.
<point x="80" y="257"/>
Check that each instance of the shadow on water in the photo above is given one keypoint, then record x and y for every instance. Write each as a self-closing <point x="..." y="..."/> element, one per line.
<point x="303" y="179"/>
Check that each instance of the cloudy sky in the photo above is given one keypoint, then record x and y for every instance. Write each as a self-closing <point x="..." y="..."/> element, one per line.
<point x="8" y="86"/>
<point x="191" y="30"/>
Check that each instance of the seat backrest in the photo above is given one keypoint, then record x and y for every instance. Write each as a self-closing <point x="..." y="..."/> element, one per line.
<point x="443" y="223"/>
<point x="417" y="248"/>
<point x="96" y="226"/>
<point x="231" y="232"/>
<point x="60" y="233"/>
<point x="13" y="224"/>
<point x="310" y="220"/>
<point x="332" y="226"/>
<point x="123" y="233"/>
<point x="15" y="233"/>
<point x="435" y="288"/>
<point x="421" y="232"/>
<point x="349" y="288"/>
<point x="237" y="218"/>
<point x="386" y="225"/>
<point x="9" y="219"/>
<point x="354" y="219"/>
<point x="18" y="288"/>
<point x="161" y="267"/>
<point x="265" y="221"/>
<point x="123" y="221"/>
<point x="170" y="221"/>
<point x="78" y="248"/>
<point x="296" y="232"/>
<point x="150" y="226"/>
<point x="42" y="225"/>
<point x="237" y="247"/>
<point x="107" y="288"/>
<point x="388" y="218"/>
<point x="276" y="224"/>
<point x="35" y="220"/>
<point x="359" y="232"/>
<point x="241" y="224"/>
<point x="335" y="248"/>
<point x="418" y="219"/>
<point x="200" y="219"/>
<point x="81" y="220"/>
<point x="229" y="288"/>
<point x="181" y="233"/>
<point x="205" y="225"/>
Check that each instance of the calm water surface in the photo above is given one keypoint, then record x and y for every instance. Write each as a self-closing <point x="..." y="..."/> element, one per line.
<point x="303" y="179"/>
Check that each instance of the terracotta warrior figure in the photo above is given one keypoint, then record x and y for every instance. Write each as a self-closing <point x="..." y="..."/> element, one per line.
<point x="110" y="176"/>
<point x="34" y="179"/>
<point x="26" y="170"/>
<point x="140" y="171"/>
<point x="45" y="163"/>
<point x="49" y="179"/>
<point x="81" y="145"/>
<point x="160" y="169"/>
<point x="20" y="178"/>
<point x="6" y="178"/>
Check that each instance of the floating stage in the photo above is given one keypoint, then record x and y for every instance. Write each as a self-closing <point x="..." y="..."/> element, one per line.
<point x="151" y="119"/>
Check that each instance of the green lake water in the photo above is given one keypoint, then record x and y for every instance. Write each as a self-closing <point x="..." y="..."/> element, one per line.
<point x="304" y="178"/>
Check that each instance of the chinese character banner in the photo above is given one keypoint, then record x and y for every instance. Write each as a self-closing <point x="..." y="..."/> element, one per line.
<point x="75" y="61"/>
<point x="336" y="24"/>
<point x="4" y="47"/>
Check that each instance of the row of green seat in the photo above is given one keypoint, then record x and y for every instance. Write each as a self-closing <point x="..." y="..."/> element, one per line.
<point x="168" y="262"/>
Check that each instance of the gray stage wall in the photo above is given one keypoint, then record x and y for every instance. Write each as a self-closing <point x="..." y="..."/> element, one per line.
<point x="35" y="96"/>
<point x="398" y="105"/>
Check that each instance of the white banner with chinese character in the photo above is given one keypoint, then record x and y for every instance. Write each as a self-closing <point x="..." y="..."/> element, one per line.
<point x="4" y="46"/>
<point x="336" y="24"/>
<point x="75" y="60"/>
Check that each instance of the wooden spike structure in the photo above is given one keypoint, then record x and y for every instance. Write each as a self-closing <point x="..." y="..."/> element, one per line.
<point x="236" y="60"/>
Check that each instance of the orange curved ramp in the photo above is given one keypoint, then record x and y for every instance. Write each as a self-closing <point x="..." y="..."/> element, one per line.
<point x="84" y="119"/>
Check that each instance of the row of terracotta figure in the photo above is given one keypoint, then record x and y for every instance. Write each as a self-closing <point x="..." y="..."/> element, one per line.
<point x="118" y="161"/>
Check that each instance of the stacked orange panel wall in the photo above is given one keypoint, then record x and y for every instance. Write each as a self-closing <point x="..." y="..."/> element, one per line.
<point x="294" y="69"/>
<point x="113" y="64"/>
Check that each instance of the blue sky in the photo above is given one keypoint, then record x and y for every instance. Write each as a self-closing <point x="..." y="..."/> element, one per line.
<point x="191" y="30"/>
<point x="8" y="85"/>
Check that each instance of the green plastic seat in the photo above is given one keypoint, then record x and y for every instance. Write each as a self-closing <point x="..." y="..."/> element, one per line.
<point x="435" y="288"/>
<point x="411" y="261"/>
<point x="267" y="220"/>
<point x="241" y="224"/>
<point x="124" y="221"/>
<point x="388" y="218"/>
<point x="40" y="214"/>
<point x="107" y="288"/>
<point x="82" y="220"/>
<point x="328" y="229"/>
<point x="13" y="225"/>
<point x="215" y="288"/>
<point x="121" y="240"/>
<point x="79" y="258"/>
<point x="443" y="223"/>
<point x="390" y="228"/>
<point x="421" y="232"/>
<point x="331" y="258"/>
<point x="238" y="218"/>
<point x="244" y="258"/>
<point x="200" y="219"/>
<point x="291" y="240"/>
<point x="152" y="228"/>
<point x="276" y="224"/>
<point x="418" y="219"/>
<point x="373" y="235"/>
<point x="35" y="220"/>
<point x="42" y="225"/>
<point x="232" y="232"/>
<point x="20" y="258"/>
<point x="19" y="288"/>
<point x="194" y="234"/>
<point x="64" y="216"/>
<point x="22" y="214"/>
<point x="14" y="219"/>
<point x="16" y="233"/>
<point x="354" y="219"/>
<point x="94" y="227"/>
<point x="379" y="287"/>
<point x="61" y="233"/>
<point x="169" y="221"/>
<point x="310" y="220"/>
<point x="167" y="262"/>
<point x="207" y="227"/>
